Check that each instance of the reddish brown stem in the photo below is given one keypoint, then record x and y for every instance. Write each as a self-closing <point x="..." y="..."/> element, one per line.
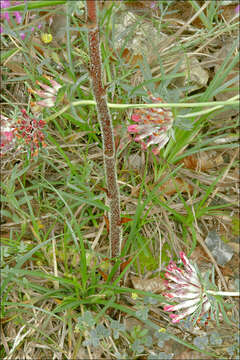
<point x="105" y="120"/>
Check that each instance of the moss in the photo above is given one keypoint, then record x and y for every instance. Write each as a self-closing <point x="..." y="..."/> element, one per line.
<point x="147" y="262"/>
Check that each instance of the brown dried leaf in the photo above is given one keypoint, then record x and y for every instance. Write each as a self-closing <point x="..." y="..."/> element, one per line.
<point x="233" y="89"/>
<point x="155" y="285"/>
<point x="128" y="56"/>
<point x="124" y="264"/>
<point x="15" y="67"/>
<point x="190" y="355"/>
<point x="182" y="11"/>
<point x="124" y="220"/>
<point x="194" y="74"/>
<point x="135" y="191"/>
<point x="227" y="12"/>
<point x="173" y="185"/>
<point x="202" y="161"/>
<point x="136" y="162"/>
<point x="235" y="246"/>
<point x="59" y="26"/>
<point x="131" y="323"/>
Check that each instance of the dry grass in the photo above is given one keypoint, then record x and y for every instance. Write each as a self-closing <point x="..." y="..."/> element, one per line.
<point x="53" y="204"/>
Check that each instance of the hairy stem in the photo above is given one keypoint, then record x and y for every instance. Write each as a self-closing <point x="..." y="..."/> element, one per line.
<point x="104" y="118"/>
<point x="223" y="293"/>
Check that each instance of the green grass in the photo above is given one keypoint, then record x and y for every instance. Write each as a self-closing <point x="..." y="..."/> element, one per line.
<point x="54" y="241"/>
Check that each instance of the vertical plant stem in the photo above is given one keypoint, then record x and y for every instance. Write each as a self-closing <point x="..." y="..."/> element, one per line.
<point x="105" y="120"/>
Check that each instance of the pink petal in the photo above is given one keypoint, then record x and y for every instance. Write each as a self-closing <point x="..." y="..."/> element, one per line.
<point x="175" y="278"/>
<point x="6" y="16"/>
<point x="135" y="117"/>
<point x="55" y="84"/>
<point x="169" y="295"/>
<point x="184" y="294"/>
<point x="46" y="87"/>
<point x="156" y="151"/>
<point x="143" y="145"/>
<point x="205" y="307"/>
<point x="186" y="262"/>
<point x="18" y="17"/>
<point x="177" y="317"/>
<point x="5" y="4"/>
<point x="133" y="128"/>
<point x="185" y="304"/>
<point x="168" y="308"/>
<point x="43" y="94"/>
<point x="47" y="102"/>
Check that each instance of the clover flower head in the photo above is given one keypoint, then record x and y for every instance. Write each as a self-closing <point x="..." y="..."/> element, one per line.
<point x="49" y="93"/>
<point x="30" y="131"/>
<point x="6" y="135"/>
<point x="25" y="132"/>
<point x="18" y="17"/>
<point x="153" y="126"/>
<point x="185" y="288"/>
<point x="5" y="15"/>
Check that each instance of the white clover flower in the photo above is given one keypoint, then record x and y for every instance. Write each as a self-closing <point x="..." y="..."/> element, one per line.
<point x="153" y="126"/>
<point x="188" y="288"/>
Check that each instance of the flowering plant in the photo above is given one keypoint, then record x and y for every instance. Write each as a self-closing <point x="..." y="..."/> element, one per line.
<point x="25" y="132"/>
<point x="5" y="16"/>
<point x="49" y="93"/>
<point x="191" y="291"/>
<point x="153" y="125"/>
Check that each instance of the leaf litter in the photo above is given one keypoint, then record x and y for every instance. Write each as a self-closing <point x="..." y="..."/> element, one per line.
<point x="189" y="62"/>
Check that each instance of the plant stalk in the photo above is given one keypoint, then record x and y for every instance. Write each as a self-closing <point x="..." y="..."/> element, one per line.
<point x="105" y="120"/>
<point x="223" y="293"/>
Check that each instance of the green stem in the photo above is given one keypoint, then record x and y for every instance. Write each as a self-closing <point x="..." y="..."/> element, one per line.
<point x="215" y="104"/>
<point x="223" y="293"/>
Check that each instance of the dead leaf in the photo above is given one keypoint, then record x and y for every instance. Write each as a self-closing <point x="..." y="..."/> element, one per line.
<point x="124" y="220"/>
<point x="202" y="161"/>
<point x="173" y="185"/>
<point x="228" y="12"/>
<point x="182" y="11"/>
<point x="235" y="246"/>
<point x="191" y="355"/>
<point x="136" y="162"/>
<point x="124" y="264"/>
<point x="194" y="74"/>
<point x="135" y="43"/>
<point x="103" y="274"/>
<point x="107" y="222"/>
<point x="232" y="89"/>
<point x="135" y="191"/>
<point x="15" y="67"/>
<point x="128" y="57"/>
<point x="59" y="26"/>
<point x="155" y="285"/>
